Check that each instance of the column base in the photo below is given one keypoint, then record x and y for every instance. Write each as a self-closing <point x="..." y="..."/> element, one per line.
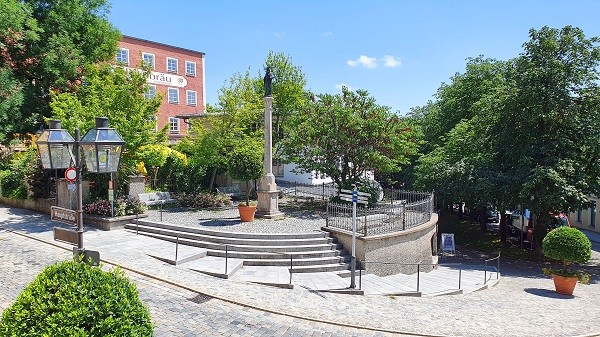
<point x="268" y="205"/>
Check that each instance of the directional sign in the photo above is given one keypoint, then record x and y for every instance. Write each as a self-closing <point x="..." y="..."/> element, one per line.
<point x="65" y="215"/>
<point x="71" y="174"/>
<point x="355" y="196"/>
<point x="66" y="235"/>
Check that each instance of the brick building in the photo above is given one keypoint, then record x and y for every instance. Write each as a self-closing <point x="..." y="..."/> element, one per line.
<point x="177" y="74"/>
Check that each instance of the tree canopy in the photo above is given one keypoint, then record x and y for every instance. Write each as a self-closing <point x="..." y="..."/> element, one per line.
<point x="344" y="136"/>
<point x="45" y="46"/>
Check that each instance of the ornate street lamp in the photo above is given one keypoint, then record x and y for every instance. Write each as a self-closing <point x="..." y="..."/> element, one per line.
<point x="102" y="147"/>
<point x="55" y="147"/>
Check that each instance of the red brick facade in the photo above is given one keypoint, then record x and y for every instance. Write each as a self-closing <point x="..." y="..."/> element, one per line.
<point x="178" y="76"/>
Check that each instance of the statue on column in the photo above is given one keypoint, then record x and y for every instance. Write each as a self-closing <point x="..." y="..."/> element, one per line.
<point x="268" y="82"/>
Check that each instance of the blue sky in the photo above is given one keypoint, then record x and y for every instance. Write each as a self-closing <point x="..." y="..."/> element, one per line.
<point x="399" y="51"/>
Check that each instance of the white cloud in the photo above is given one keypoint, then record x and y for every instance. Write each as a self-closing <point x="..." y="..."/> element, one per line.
<point x="340" y="85"/>
<point x="279" y="34"/>
<point x="365" y="61"/>
<point x="391" y="62"/>
<point x="327" y="34"/>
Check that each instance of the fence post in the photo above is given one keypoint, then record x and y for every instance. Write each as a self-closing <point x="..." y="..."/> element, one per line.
<point x="323" y="192"/>
<point x="403" y="215"/>
<point x="418" y="275"/>
<point x="327" y="213"/>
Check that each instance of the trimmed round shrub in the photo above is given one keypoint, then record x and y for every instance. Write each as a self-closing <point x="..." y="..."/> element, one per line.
<point x="568" y="245"/>
<point x="76" y="299"/>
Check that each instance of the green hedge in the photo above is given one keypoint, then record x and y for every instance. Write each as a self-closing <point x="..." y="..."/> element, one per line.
<point x="76" y="299"/>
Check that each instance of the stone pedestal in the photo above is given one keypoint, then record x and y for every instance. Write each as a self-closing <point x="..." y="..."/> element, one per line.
<point x="68" y="198"/>
<point x="137" y="185"/>
<point x="268" y="196"/>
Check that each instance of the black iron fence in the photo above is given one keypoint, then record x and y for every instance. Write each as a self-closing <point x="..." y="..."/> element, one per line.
<point x="382" y="218"/>
<point x="321" y="191"/>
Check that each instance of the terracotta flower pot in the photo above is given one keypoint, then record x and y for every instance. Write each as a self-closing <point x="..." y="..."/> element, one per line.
<point x="564" y="285"/>
<point x="247" y="212"/>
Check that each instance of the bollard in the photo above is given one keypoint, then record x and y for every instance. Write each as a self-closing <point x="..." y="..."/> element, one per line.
<point x="161" y="210"/>
<point x="176" y="248"/>
<point x="485" y="273"/>
<point x="360" y="278"/>
<point x="418" y="275"/>
<point x="226" y="255"/>
<point x="291" y="267"/>
<point x="459" y="275"/>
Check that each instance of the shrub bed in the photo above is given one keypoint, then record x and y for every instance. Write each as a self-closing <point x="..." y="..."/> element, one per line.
<point x="76" y="299"/>
<point x="122" y="207"/>
<point x="203" y="200"/>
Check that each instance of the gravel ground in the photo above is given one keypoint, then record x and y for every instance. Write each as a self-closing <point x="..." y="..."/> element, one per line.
<point x="299" y="218"/>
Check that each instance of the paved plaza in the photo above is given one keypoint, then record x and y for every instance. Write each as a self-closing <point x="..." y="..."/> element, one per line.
<point x="183" y="302"/>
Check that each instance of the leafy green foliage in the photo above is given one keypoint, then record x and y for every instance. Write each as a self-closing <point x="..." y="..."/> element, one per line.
<point x="122" y="206"/>
<point x="202" y="200"/>
<point x="568" y="245"/>
<point x="181" y="174"/>
<point x="246" y="163"/>
<point x="346" y="135"/>
<point x="76" y="299"/>
<point x="13" y="179"/>
<point x="46" y="46"/>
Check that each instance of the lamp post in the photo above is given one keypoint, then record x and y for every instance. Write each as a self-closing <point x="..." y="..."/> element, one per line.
<point x="102" y="147"/>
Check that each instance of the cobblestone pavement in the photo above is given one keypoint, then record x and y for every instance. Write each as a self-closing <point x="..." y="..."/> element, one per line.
<point x="522" y="304"/>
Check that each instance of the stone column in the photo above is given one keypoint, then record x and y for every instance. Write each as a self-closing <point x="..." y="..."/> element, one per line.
<point x="268" y="196"/>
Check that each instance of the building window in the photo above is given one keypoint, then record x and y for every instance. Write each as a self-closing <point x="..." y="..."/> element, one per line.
<point x="190" y="68"/>
<point x="172" y="65"/>
<point x="173" y="125"/>
<point x="123" y="56"/>
<point x="191" y="97"/>
<point x="173" y="95"/>
<point x="150" y="92"/>
<point x="148" y="59"/>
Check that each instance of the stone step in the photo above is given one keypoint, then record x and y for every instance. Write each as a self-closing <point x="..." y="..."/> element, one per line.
<point x="243" y="248"/>
<point x="225" y="234"/>
<point x="270" y="256"/>
<point x="296" y="262"/>
<point x="239" y="241"/>
<point x="321" y="268"/>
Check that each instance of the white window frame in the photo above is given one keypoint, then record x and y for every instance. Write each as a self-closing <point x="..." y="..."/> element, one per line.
<point x="126" y="55"/>
<point x="169" y="90"/>
<point x="186" y="68"/>
<point x="153" y="65"/>
<point x="176" y="65"/>
<point x="150" y="89"/>
<point x="187" y="97"/>
<point x="174" y="125"/>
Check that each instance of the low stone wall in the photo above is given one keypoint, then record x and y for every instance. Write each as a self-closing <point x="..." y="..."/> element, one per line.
<point x="107" y="223"/>
<point x="414" y="245"/>
<point x="39" y="205"/>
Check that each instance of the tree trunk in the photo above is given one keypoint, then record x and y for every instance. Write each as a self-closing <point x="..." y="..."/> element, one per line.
<point x="212" y="178"/>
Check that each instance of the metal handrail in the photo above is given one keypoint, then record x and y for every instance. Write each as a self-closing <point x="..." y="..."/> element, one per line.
<point x="270" y="252"/>
<point x="497" y="258"/>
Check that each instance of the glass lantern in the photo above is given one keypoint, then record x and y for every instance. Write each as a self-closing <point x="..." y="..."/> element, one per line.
<point x="102" y="148"/>
<point x="55" y="147"/>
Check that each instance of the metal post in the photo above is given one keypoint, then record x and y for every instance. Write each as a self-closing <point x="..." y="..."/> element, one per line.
<point x="176" y="248"/>
<point x="161" y="210"/>
<point x="418" y="276"/>
<point x="459" y="275"/>
<point x="522" y="212"/>
<point x="226" y="256"/>
<point x="323" y="194"/>
<point x="497" y="266"/>
<point x="485" y="273"/>
<point x="327" y="213"/>
<point x="360" y="278"/>
<point x="353" y="258"/>
<point x="403" y="216"/>
<point x="80" y="249"/>
<point x="291" y="267"/>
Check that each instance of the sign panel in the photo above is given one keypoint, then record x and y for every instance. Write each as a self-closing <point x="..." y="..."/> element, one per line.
<point x="65" y="235"/>
<point x="71" y="174"/>
<point x="448" y="243"/>
<point x="171" y="80"/>
<point x="64" y="215"/>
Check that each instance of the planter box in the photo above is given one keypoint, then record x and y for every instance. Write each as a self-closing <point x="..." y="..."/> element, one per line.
<point x="108" y="223"/>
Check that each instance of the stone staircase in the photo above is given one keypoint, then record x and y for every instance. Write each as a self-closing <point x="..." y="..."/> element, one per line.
<point x="306" y="252"/>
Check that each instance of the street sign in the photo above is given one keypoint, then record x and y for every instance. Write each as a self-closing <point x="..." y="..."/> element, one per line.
<point x="71" y="174"/>
<point x="64" y="215"/>
<point x="447" y="243"/>
<point x="65" y="235"/>
<point x="355" y="196"/>
<point x="111" y="195"/>
<point x="71" y="187"/>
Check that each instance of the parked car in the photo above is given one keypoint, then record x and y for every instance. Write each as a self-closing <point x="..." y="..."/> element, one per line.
<point x="492" y="216"/>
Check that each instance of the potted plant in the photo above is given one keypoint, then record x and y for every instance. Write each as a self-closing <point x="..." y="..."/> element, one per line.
<point x="568" y="245"/>
<point x="245" y="164"/>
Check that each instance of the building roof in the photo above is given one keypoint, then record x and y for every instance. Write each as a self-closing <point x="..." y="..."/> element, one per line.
<point x="164" y="45"/>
